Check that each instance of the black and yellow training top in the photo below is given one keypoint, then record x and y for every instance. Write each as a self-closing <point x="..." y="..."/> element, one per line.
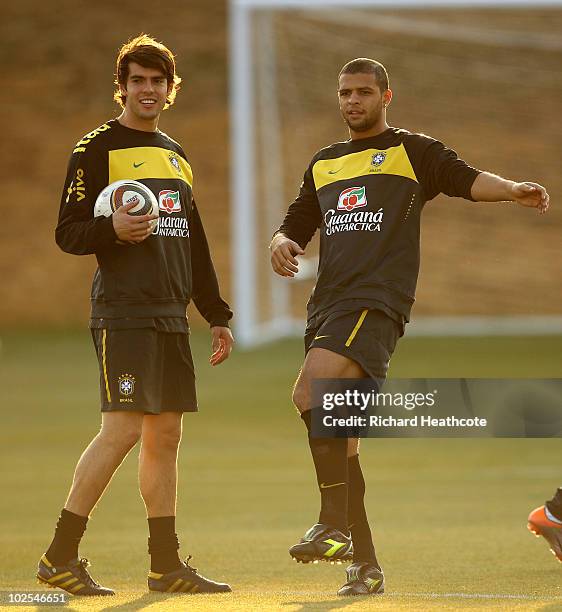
<point x="153" y="280"/>
<point x="366" y="196"/>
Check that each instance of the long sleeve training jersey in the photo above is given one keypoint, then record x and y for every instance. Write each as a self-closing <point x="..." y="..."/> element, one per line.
<point x="157" y="278"/>
<point x="366" y="196"/>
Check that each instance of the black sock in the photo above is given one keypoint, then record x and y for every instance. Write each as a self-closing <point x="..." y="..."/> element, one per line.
<point x="163" y="544"/>
<point x="68" y="533"/>
<point x="554" y="505"/>
<point x="330" y="460"/>
<point x="363" y="548"/>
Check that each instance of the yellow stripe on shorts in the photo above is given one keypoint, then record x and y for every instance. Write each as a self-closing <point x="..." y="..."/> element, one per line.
<point x="356" y="328"/>
<point x="104" y="364"/>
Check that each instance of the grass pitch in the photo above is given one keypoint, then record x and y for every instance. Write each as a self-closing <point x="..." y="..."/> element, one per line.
<point x="449" y="515"/>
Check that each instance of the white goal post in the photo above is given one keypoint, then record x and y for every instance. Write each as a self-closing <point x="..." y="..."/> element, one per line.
<point x="248" y="106"/>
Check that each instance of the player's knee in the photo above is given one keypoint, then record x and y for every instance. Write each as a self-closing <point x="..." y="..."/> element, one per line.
<point x="162" y="440"/>
<point x="300" y="397"/>
<point x="170" y="439"/>
<point x="124" y="438"/>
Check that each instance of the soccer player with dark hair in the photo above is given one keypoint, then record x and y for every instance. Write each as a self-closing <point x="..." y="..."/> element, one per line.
<point x="145" y="279"/>
<point x="366" y="195"/>
<point x="546" y="521"/>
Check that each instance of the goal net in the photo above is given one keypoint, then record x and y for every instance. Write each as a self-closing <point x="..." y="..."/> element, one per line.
<point x="485" y="79"/>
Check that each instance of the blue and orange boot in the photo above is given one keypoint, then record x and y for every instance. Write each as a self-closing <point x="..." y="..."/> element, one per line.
<point x="541" y="524"/>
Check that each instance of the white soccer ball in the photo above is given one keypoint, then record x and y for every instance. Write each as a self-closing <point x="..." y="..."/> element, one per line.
<point x="124" y="192"/>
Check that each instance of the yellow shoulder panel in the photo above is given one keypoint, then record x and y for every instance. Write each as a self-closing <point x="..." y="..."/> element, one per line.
<point x="393" y="160"/>
<point x="148" y="162"/>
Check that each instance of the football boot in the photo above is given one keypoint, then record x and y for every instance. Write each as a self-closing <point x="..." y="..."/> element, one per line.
<point x="322" y="543"/>
<point x="539" y="524"/>
<point x="73" y="577"/>
<point x="363" y="579"/>
<point x="185" y="580"/>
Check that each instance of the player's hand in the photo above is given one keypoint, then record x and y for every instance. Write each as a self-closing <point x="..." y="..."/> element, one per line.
<point x="283" y="255"/>
<point x="129" y="228"/>
<point x="531" y="194"/>
<point x="221" y="342"/>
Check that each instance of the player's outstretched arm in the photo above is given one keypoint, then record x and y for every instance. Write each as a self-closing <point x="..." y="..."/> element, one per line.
<point x="221" y="343"/>
<point x="283" y="255"/>
<point x="491" y="188"/>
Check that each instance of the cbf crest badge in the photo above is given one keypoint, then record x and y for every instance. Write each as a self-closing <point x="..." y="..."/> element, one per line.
<point x="175" y="162"/>
<point x="378" y="159"/>
<point x="126" y="385"/>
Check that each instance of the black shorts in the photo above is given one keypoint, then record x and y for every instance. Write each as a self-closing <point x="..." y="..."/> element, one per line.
<point x="145" y="370"/>
<point x="368" y="337"/>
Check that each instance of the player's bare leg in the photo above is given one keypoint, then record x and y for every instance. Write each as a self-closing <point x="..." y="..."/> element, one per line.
<point x="158" y="472"/>
<point x="158" y="475"/>
<point x="61" y="566"/>
<point x="119" y="433"/>
<point x="322" y="363"/>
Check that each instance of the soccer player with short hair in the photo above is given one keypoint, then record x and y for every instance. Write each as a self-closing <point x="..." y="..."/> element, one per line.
<point x="145" y="279"/>
<point x="366" y="195"/>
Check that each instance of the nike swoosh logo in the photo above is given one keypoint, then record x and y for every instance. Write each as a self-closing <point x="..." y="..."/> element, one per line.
<point x="325" y="486"/>
<point x="320" y="337"/>
<point x="138" y="165"/>
<point x="335" y="171"/>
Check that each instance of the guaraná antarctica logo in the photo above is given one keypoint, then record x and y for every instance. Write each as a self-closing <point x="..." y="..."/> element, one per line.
<point x="169" y="201"/>
<point x="171" y="226"/>
<point x="346" y="219"/>
<point x="352" y="197"/>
